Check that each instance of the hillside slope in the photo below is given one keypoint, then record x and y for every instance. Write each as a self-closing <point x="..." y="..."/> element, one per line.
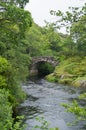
<point x="71" y="71"/>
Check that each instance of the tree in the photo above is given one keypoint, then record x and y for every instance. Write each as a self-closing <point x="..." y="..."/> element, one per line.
<point x="79" y="36"/>
<point x="37" y="42"/>
<point x="70" y="17"/>
<point x="19" y="3"/>
<point x="74" y="21"/>
<point x="14" y="22"/>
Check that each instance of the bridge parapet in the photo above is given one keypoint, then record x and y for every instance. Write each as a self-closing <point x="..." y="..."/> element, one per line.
<point x="48" y="59"/>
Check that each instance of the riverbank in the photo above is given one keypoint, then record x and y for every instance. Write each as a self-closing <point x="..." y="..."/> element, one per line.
<point x="71" y="71"/>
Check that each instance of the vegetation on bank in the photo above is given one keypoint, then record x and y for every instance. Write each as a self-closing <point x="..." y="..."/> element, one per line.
<point x="70" y="71"/>
<point x="14" y="61"/>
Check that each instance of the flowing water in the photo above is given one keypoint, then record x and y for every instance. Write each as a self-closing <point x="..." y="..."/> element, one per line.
<point x="45" y="99"/>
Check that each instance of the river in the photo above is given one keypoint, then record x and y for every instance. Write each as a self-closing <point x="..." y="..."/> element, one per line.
<point x="45" y="99"/>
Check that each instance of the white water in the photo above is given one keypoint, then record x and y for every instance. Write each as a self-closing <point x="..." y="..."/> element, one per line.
<point x="45" y="99"/>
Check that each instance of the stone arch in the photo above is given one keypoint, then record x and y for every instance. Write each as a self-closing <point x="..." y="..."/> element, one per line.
<point x="37" y="60"/>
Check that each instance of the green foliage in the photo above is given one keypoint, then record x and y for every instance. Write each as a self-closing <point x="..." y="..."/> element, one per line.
<point x="70" y="17"/>
<point x="76" y="109"/>
<point x="18" y="124"/>
<point x="9" y="82"/>
<point x="4" y="72"/>
<point x="74" y="21"/>
<point x="20" y="3"/>
<point x="78" y="35"/>
<point x="14" y="61"/>
<point x="4" y="66"/>
<point x="68" y="47"/>
<point x="3" y="83"/>
<point x="44" y="125"/>
<point x="51" y="78"/>
<point x="6" y="120"/>
<point x="54" y="39"/>
<point x="37" y="42"/>
<point x="70" y="71"/>
<point x="82" y="96"/>
<point x="15" y="21"/>
<point x="5" y="111"/>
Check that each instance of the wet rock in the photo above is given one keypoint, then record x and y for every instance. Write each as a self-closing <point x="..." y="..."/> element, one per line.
<point x="82" y="83"/>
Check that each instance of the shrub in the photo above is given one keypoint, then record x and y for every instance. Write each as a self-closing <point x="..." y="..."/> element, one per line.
<point x="6" y="120"/>
<point x="5" y="111"/>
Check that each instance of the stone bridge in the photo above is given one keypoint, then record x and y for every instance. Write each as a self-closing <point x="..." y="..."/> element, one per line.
<point x="37" y="60"/>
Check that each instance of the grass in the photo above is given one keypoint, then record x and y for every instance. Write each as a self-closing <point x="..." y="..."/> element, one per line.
<point x="70" y="71"/>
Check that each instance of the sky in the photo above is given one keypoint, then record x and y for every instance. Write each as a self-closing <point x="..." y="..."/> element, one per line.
<point x="40" y="9"/>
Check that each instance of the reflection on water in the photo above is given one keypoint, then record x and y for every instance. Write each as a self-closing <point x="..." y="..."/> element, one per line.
<point x="29" y="111"/>
<point x="31" y="98"/>
<point x="45" y="99"/>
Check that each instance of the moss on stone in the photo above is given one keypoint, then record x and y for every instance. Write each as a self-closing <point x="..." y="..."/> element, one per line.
<point x="80" y="82"/>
